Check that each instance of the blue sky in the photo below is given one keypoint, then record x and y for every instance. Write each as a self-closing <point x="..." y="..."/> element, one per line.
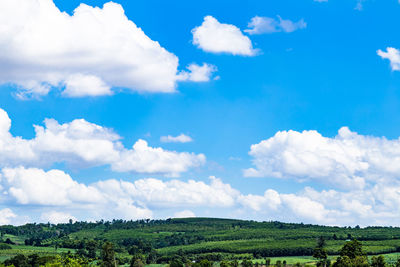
<point x="319" y="76"/>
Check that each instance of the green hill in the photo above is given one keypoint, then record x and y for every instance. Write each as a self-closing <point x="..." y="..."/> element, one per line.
<point x="195" y="238"/>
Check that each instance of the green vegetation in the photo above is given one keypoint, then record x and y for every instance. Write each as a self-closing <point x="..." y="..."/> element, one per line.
<point x="179" y="242"/>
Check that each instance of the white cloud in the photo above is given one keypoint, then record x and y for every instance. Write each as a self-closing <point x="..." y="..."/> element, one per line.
<point x="144" y="159"/>
<point x="184" y="214"/>
<point x="261" y="25"/>
<point x="270" y="200"/>
<point x="365" y="166"/>
<point x="198" y="73"/>
<point x="182" y="138"/>
<point x="87" y="52"/>
<point x="79" y="85"/>
<point x="215" y="37"/>
<point x="85" y="144"/>
<point x="54" y="189"/>
<point x="56" y="217"/>
<point x="393" y="55"/>
<point x="192" y="193"/>
<point x="24" y="188"/>
<point x="348" y="160"/>
<point x="6" y="216"/>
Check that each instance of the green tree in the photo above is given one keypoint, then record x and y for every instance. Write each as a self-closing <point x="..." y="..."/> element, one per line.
<point x="91" y="247"/>
<point x="352" y="249"/>
<point x="351" y="255"/>
<point x="33" y="260"/>
<point x="205" y="263"/>
<point x="247" y="263"/>
<point x="177" y="262"/>
<point x="17" y="261"/>
<point x="136" y="262"/>
<point x="225" y="264"/>
<point x="320" y="252"/>
<point x="378" y="261"/>
<point x="108" y="255"/>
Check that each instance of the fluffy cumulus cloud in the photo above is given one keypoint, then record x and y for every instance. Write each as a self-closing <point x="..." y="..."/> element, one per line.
<point x="393" y="55"/>
<point x="86" y="53"/>
<point x="182" y="138"/>
<point x="262" y="25"/>
<point x="38" y="187"/>
<point x="192" y="193"/>
<point x="6" y="216"/>
<point x="348" y="160"/>
<point x="105" y="199"/>
<point x="57" y="217"/>
<point x="362" y="172"/>
<point x="375" y="205"/>
<point x="184" y="214"/>
<point x="84" y="144"/>
<point x="198" y="73"/>
<point x="144" y="159"/>
<point x="378" y="204"/>
<point x="54" y="188"/>
<point x="215" y="37"/>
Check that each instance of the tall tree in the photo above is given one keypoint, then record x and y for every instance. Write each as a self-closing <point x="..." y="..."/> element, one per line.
<point x="108" y="255"/>
<point x="320" y="252"/>
<point x="352" y="254"/>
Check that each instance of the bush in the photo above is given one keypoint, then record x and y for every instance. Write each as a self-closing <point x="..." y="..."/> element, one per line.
<point x="4" y="246"/>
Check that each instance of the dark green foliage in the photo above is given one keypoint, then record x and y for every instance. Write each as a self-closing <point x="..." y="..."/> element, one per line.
<point x="18" y="261"/>
<point x="33" y="260"/>
<point x="205" y="263"/>
<point x="352" y="255"/>
<point x="378" y="261"/>
<point x="225" y="264"/>
<point x="176" y="263"/>
<point x="91" y="247"/>
<point x="108" y="255"/>
<point x="320" y="252"/>
<point x="8" y="241"/>
<point x="5" y="246"/>
<point x="138" y="263"/>
<point x="247" y="263"/>
<point x="352" y="249"/>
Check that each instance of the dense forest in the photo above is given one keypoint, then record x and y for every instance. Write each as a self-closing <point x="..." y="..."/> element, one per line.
<point x="188" y="240"/>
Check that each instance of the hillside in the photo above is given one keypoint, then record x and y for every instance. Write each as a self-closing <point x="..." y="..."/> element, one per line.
<point x="195" y="238"/>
